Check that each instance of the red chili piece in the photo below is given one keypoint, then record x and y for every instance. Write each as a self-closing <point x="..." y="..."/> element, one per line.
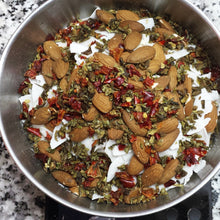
<point x="35" y="131"/>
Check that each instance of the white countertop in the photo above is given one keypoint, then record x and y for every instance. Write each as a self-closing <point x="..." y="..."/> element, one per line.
<point x="19" y="198"/>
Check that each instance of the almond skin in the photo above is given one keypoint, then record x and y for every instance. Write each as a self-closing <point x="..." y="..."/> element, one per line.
<point x="43" y="147"/>
<point x="154" y="66"/>
<point x="124" y="15"/>
<point x="132" y="25"/>
<point x="135" y="166"/>
<point x="115" y="42"/>
<point x="164" y="32"/>
<point x="139" y="150"/>
<point x="162" y="81"/>
<point x="213" y="115"/>
<point x="65" y="178"/>
<point x="41" y="116"/>
<point x="75" y="190"/>
<point x="47" y="71"/>
<point x="166" y="141"/>
<point x="131" y="123"/>
<point x="189" y="107"/>
<point x="79" y="134"/>
<point x="124" y="56"/>
<point x="91" y="114"/>
<point x="137" y="85"/>
<point x="141" y="55"/>
<point x="132" y="40"/>
<point x="130" y="198"/>
<point x="52" y="50"/>
<point x="169" y="171"/>
<point x="104" y="16"/>
<point x="152" y="175"/>
<point x="168" y="125"/>
<point x="63" y="84"/>
<point x="73" y="77"/>
<point x="173" y="77"/>
<point x="115" y="134"/>
<point x="166" y="25"/>
<point x="159" y="54"/>
<point x="188" y="84"/>
<point x="105" y="60"/>
<point x="102" y="102"/>
<point x="60" y="68"/>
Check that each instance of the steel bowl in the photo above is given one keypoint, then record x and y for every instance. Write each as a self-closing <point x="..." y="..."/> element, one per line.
<point x="48" y="19"/>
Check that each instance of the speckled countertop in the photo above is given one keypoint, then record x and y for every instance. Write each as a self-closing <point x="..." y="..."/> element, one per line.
<point x="19" y="198"/>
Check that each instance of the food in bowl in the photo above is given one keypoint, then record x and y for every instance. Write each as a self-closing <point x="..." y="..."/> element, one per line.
<point x="120" y="107"/>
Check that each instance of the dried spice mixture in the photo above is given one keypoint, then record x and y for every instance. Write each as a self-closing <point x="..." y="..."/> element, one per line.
<point x="120" y="106"/>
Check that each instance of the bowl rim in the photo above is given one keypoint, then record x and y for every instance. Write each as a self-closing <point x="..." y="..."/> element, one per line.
<point x="63" y="201"/>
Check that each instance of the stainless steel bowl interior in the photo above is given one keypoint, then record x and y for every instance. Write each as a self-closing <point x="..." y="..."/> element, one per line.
<point x="50" y="17"/>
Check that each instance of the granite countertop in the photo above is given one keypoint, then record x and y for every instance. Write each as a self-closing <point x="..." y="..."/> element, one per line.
<point x="19" y="198"/>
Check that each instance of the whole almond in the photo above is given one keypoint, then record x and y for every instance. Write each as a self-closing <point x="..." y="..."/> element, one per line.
<point x="104" y="16"/>
<point x="75" y="190"/>
<point x="127" y="15"/>
<point x="64" y="178"/>
<point x="47" y="71"/>
<point x="140" y="150"/>
<point x="131" y="25"/>
<point x="41" y="116"/>
<point x="188" y="108"/>
<point x="188" y="84"/>
<point x="79" y="134"/>
<point x="43" y="147"/>
<point x="52" y="50"/>
<point x="132" y="196"/>
<point x="166" y="25"/>
<point x="154" y="66"/>
<point x="162" y="82"/>
<point x="115" y="134"/>
<point x="164" y="32"/>
<point x="91" y="114"/>
<point x="74" y="77"/>
<point x="135" y="166"/>
<point x="152" y="175"/>
<point x="132" y="40"/>
<point x="169" y="171"/>
<point x="132" y="124"/>
<point x="105" y="60"/>
<point x="60" y="68"/>
<point x="168" y="125"/>
<point x="159" y="54"/>
<point x="173" y="77"/>
<point x="124" y="56"/>
<point x="141" y="55"/>
<point x="102" y="102"/>
<point x="213" y="115"/>
<point x="63" y="84"/>
<point x="115" y="42"/>
<point x="137" y="84"/>
<point x="166" y="141"/>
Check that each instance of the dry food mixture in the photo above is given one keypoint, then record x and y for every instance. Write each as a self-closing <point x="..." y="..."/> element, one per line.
<point x="120" y="106"/>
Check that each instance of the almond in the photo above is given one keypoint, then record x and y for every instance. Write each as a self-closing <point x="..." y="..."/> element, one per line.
<point x="79" y="134"/>
<point x="188" y="108"/>
<point x="115" y="42"/>
<point x="162" y="82"/>
<point x="105" y="60"/>
<point x="131" y="25"/>
<point x="93" y="183"/>
<point x="173" y="77"/>
<point x="124" y="56"/>
<point x="141" y="54"/>
<point x="104" y="16"/>
<point x="166" y="25"/>
<point x="152" y="175"/>
<point x="131" y="123"/>
<point x="154" y="66"/>
<point x="140" y="150"/>
<point x="75" y="190"/>
<point x="63" y="84"/>
<point x="73" y="77"/>
<point x="166" y="126"/>
<point x="169" y="171"/>
<point x="91" y="114"/>
<point x="137" y="85"/>
<point x="188" y="84"/>
<point x="52" y="50"/>
<point x="115" y="134"/>
<point x="43" y="147"/>
<point x="132" y="196"/>
<point x="124" y="15"/>
<point x="166" y="141"/>
<point x="60" y="68"/>
<point x="132" y="40"/>
<point x="41" y="116"/>
<point x="64" y="178"/>
<point x="135" y="166"/>
<point x="51" y="124"/>
<point x="213" y="115"/>
<point x="47" y="71"/>
<point x="102" y="102"/>
<point x="164" y="32"/>
<point x="159" y="54"/>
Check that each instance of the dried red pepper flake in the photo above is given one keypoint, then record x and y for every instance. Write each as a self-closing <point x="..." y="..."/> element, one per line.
<point x="42" y="157"/>
<point x="157" y="136"/>
<point x="121" y="147"/>
<point x="104" y="70"/>
<point x="193" y="54"/>
<point x="136" y="100"/>
<point x="40" y="49"/>
<point x="215" y="73"/>
<point x="148" y="82"/>
<point x="60" y="115"/>
<point x="31" y="73"/>
<point x="154" y="109"/>
<point x="80" y="166"/>
<point x="35" y="131"/>
<point x="133" y="138"/>
<point x="162" y="42"/>
<point x="132" y="70"/>
<point x="48" y="136"/>
<point x="115" y="196"/>
<point x="75" y="104"/>
<point x="71" y="115"/>
<point x="24" y="107"/>
<point x="23" y="85"/>
<point x="66" y="31"/>
<point x="126" y="180"/>
<point x="94" y="143"/>
<point x="119" y="81"/>
<point x="116" y="53"/>
<point x="126" y="104"/>
<point x="53" y="102"/>
<point x="180" y="63"/>
<point x="68" y="40"/>
<point x="49" y="37"/>
<point x="83" y="57"/>
<point x="91" y="131"/>
<point x="40" y="101"/>
<point x="172" y="112"/>
<point x="169" y="183"/>
<point x="147" y="97"/>
<point x="88" y="182"/>
<point x="148" y="193"/>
